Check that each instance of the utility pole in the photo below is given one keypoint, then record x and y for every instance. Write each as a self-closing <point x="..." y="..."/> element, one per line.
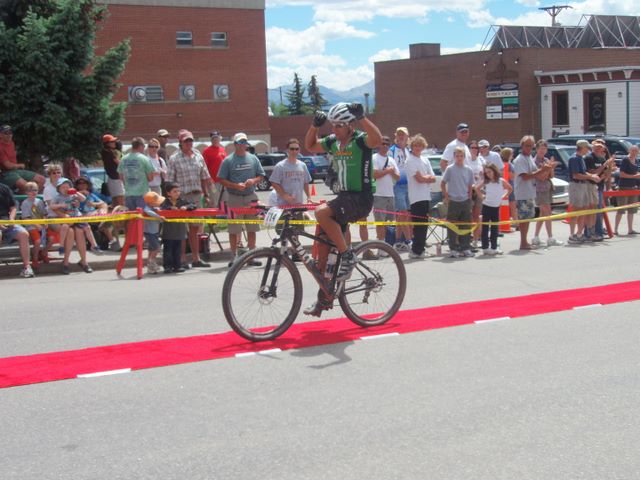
<point x="554" y="11"/>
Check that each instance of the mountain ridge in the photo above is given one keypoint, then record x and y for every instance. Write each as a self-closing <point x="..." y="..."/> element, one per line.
<point x="332" y="96"/>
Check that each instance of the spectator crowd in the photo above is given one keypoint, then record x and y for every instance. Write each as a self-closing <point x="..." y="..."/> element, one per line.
<point x="476" y="181"/>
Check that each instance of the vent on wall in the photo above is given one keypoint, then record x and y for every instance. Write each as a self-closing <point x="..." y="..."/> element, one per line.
<point x="221" y="92"/>
<point x="146" y="93"/>
<point x="187" y="92"/>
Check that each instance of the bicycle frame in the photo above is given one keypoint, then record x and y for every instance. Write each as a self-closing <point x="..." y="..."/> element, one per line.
<point x="290" y="235"/>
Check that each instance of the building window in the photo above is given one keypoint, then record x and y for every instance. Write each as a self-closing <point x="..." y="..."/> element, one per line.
<point x="595" y="111"/>
<point x="219" y="39"/>
<point x="184" y="39"/>
<point x="560" y="109"/>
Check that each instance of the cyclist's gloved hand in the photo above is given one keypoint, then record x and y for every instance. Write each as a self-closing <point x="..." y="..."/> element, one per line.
<point x="319" y="118"/>
<point x="357" y="110"/>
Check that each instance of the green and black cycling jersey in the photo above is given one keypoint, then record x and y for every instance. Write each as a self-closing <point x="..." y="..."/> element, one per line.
<point x="352" y="162"/>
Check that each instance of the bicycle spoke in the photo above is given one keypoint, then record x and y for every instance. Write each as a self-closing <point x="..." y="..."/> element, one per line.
<point x="252" y="307"/>
<point x="376" y="288"/>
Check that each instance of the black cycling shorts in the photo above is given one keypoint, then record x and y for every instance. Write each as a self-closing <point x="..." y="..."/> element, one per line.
<point x="349" y="207"/>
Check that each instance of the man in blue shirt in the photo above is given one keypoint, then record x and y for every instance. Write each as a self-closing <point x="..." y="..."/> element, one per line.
<point x="239" y="174"/>
<point x="582" y="190"/>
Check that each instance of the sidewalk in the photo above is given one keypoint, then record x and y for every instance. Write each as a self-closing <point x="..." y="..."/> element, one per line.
<point x="108" y="260"/>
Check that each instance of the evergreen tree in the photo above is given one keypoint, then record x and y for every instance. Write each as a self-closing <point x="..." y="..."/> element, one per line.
<point x="53" y="90"/>
<point x="316" y="100"/>
<point x="295" y="98"/>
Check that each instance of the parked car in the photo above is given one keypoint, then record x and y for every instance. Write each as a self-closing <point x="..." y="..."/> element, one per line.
<point x="320" y="166"/>
<point x="268" y="162"/>
<point x="310" y="166"/>
<point x="560" y="181"/>
<point x="98" y="178"/>
<point x="436" y="189"/>
<point x="560" y="153"/>
<point x="616" y="145"/>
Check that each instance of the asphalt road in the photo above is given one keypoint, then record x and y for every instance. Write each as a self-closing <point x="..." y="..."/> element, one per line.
<point x="547" y="396"/>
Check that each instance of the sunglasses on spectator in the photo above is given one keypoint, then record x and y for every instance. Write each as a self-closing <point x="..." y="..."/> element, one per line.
<point x="294" y="148"/>
<point x="55" y="173"/>
<point x="32" y="189"/>
<point x="153" y="146"/>
<point x="473" y="148"/>
<point x="385" y="144"/>
<point x="190" y="140"/>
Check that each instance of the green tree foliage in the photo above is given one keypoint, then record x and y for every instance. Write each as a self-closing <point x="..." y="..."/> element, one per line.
<point x="278" y="109"/>
<point x="316" y="100"/>
<point x="53" y="90"/>
<point x="295" y="98"/>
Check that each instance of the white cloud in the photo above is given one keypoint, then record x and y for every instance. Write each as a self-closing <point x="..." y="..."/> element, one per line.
<point x="329" y="75"/>
<point x="389" y="54"/>
<point x="573" y="16"/>
<point x="453" y="50"/>
<point x="529" y="3"/>
<point x="307" y="51"/>
<point x="285" y="45"/>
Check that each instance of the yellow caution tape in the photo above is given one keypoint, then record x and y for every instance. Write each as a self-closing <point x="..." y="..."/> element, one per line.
<point x="461" y="228"/>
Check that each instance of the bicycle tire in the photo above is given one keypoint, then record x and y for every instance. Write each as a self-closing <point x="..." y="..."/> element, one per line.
<point x="375" y="291"/>
<point x="252" y="312"/>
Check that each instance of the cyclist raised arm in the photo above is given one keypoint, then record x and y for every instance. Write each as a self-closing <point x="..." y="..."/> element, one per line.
<point x="352" y="157"/>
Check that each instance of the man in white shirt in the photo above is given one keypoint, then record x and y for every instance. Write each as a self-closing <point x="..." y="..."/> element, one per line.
<point x="526" y="172"/>
<point x="461" y="140"/>
<point x="490" y="156"/>
<point x="420" y="176"/>
<point x="399" y="151"/>
<point x="386" y="173"/>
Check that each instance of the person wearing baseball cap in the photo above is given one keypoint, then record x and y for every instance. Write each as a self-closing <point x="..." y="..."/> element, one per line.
<point x="598" y="164"/>
<point x="461" y="140"/>
<point x="488" y="155"/>
<point x="14" y="174"/>
<point x="239" y="173"/>
<point x="110" y="160"/>
<point x="163" y="138"/>
<point x="582" y="190"/>
<point x="399" y="151"/>
<point x="186" y="167"/>
<point x="213" y="155"/>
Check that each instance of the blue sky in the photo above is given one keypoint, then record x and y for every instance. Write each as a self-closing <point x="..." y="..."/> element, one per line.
<point x="338" y="40"/>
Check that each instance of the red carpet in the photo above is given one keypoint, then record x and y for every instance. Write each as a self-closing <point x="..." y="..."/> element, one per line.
<point x="47" y="367"/>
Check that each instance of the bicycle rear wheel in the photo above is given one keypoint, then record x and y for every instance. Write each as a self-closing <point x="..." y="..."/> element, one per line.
<point x="261" y="302"/>
<point x="376" y="289"/>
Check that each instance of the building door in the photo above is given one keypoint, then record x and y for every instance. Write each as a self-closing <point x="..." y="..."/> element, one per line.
<point x="594" y="111"/>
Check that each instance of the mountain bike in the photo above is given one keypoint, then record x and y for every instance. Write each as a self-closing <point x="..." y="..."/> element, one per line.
<point x="261" y="302"/>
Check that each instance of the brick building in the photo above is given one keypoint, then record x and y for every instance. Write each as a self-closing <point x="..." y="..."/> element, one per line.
<point x="195" y="64"/>
<point x="508" y="90"/>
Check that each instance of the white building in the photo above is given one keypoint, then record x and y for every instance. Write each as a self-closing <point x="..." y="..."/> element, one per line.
<point x="593" y="100"/>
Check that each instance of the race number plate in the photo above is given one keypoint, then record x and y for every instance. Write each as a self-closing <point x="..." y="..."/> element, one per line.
<point x="272" y="217"/>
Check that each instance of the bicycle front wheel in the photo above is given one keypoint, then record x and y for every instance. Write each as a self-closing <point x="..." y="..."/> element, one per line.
<point x="262" y="294"/>
<point x="376" y="289"/>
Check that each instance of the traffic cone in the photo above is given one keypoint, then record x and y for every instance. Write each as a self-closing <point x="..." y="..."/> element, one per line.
<point x="505" y="215"/>
<point x="313" y="190"/>
<point x="567" y="220"/>
<point x="505" y="212"/>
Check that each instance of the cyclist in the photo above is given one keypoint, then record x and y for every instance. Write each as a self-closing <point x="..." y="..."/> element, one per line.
<point x="352" y="151"/>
